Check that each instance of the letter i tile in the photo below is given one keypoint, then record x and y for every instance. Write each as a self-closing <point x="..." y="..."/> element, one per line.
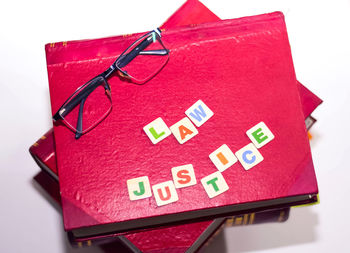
<point x="214" y="184"/>
<point x="165" y="193"/>
<point x="139" y="188"/>
<point x="223" y="158"/>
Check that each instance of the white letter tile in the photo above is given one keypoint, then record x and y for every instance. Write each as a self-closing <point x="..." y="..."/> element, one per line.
<point x="260" y="135"/>
<point x="199" y="113"/>
<point x="184" y="130"/>
<point x="184" y="176"/>
<point x="165" y="193"/>
<point x="223" y="158"/>
<point x="214" y="184"/>
<point x="139" y="188"/>
<point x="157" y="130"/>
<point x="249" y="156"/>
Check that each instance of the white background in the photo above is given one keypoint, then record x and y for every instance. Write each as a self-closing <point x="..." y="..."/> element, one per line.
<point x="319" y="33"/>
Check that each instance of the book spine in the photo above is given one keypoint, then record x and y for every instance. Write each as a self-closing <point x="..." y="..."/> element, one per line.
<point x="43" y="153"/>
<point x="108" y="245"/>
<point x="309" y="122"/>
<point x="49" y="185"/>
<point x="276" y="215"/>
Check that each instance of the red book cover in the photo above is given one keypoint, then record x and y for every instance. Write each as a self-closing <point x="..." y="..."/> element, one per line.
<point x="86" y="192"/>
<point x="191" y="12"/>
<point x="226" y="72"/>
<point x="194" y="12"/>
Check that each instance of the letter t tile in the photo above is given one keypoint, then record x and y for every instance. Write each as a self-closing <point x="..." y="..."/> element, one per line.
<point x="214" y="184"/>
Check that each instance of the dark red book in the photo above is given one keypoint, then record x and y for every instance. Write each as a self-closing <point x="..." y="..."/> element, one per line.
<point x="186" y="237"/>
<point x="107" y="155"/>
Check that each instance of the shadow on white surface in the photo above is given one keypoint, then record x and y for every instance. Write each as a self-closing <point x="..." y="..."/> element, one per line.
<point x="65" y="242"/>
<point x="300" y="228"/>
<point x="217" y="244"/>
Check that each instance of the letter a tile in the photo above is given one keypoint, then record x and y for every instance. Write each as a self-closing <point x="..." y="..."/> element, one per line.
<point x="184" y="130"/>
<point x="199" y="113"/>
<point x="214" y="184"/>
<point x="249" y="156"/>
<point x="157" y="130"/>
<point x="139" y="188"/>
<point x="260" y="135"/>
<point x="223" y="158"/>
<point x="165" y="193"/>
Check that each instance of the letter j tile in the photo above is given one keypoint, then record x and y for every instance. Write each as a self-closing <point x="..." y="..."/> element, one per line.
<point x="139" y="188"/>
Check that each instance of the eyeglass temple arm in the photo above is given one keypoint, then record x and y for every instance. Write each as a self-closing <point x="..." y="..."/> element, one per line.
<point x="155" y="52"/>
<point x="80" y="119"/>
<point x="140" y="50"/>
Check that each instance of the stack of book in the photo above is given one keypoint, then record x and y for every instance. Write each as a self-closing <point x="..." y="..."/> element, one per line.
<point x="218" y="136"/>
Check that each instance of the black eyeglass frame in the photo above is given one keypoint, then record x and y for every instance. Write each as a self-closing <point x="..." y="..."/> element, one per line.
<point x="86" y="89"/>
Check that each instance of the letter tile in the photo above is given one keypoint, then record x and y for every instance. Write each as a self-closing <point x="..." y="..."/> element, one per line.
<point x="157" y="130"/>
<point x="214" y="184"/>
<point x="165" y="193"/>
<point x="249" y="156"/>
<point x="184" y="130"/>
<point x="260" y="135"/>
<point x="183" y="176"/>
<point x="223" y="158"/>
<point x="139" y="188"/>
<point x="199" y="113"/>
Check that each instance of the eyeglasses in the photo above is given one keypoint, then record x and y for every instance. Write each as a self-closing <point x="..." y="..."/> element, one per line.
<point x="92" y="102"/>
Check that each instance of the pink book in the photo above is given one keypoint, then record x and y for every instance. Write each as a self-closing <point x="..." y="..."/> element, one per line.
<point x="242" y="85"/>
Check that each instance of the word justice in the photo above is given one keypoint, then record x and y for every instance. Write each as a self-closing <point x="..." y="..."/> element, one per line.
<point x="184" y="176"/>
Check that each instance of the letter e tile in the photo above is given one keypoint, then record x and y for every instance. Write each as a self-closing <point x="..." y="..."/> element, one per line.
<point x="184" y="176"/>
<point x="139" y="188"/>
<point x="260" y="135"/>
<point x="214" y="184"/>
<point x="157" y="130"/>
<point x="249" y="156"/>
<point x="165" y="193"/>
<point x="223" y="158"/>
<point x="184" y="130"/>
<point x="199" y="113"/>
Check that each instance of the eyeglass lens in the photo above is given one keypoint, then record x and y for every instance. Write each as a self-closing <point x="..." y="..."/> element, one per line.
<point x="92" y="108"/>
<point x="148" y="57"/>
